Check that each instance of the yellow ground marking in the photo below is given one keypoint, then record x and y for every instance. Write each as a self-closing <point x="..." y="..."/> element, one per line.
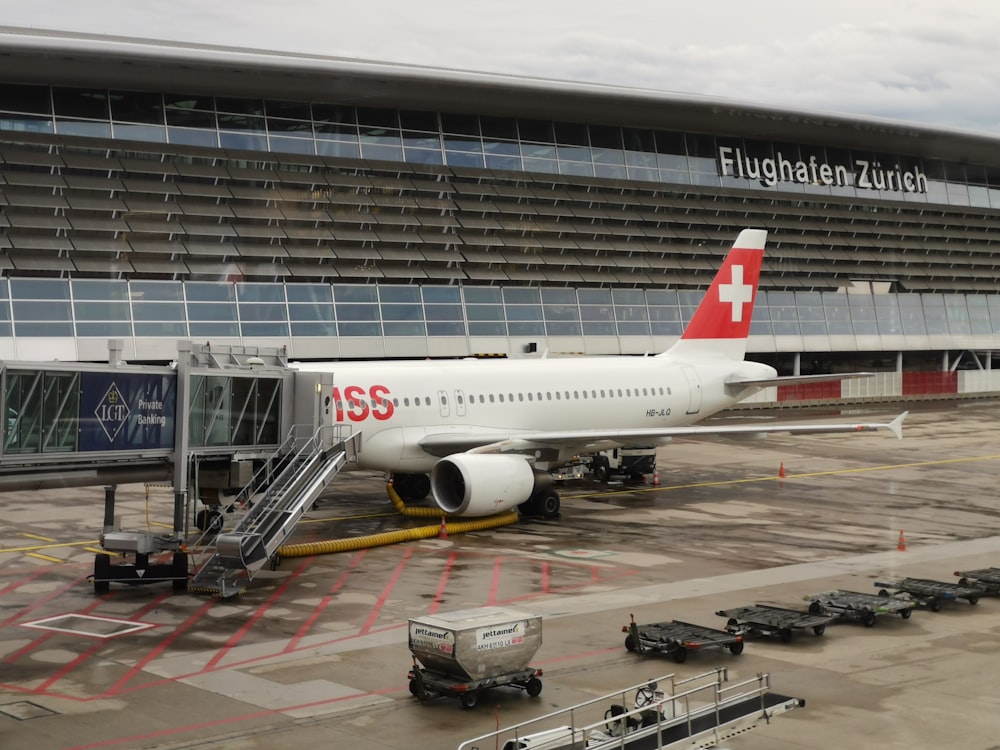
<point x="47" y="558"/>
<point x="27" y="535"/>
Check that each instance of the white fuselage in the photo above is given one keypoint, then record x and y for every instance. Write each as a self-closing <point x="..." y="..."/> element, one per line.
<point x="396" y="404"/>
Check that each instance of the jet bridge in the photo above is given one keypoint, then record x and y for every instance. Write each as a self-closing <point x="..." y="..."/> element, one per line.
<point x="206" y="424"/>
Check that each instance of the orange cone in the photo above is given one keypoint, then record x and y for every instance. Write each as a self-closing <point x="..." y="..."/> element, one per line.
<point x="656" y="478"/>
<point x="901" y="544"/>
<point x="443" y="533"/>
<point x="781" y="470"/>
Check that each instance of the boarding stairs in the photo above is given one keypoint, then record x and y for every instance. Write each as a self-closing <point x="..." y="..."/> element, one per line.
<point x="265" y="519"/>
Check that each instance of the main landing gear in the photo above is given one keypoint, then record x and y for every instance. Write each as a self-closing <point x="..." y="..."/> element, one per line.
<point x="543" y="503"/>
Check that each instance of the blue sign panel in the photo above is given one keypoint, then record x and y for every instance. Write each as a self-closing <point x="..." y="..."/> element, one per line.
<point x="127" y="411"/>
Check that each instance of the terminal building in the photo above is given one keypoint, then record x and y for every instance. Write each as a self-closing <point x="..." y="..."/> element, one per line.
<point x="154" y="192"/>
<point x="179" y="223"/>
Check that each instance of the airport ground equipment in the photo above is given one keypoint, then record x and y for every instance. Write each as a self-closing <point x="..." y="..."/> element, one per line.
<point x="763" y="619"/>
<point x="697" y="712"/>
<point x="268" y="518"/>
<point x="677" y="639"/>
<point x="856" y="605"/>
<point x="929" y="593"/>
<point x="460" y="654"/>
<point x="987" y="579"/>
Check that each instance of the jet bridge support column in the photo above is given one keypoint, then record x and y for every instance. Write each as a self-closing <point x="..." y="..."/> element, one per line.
<point x="109" y="507"/>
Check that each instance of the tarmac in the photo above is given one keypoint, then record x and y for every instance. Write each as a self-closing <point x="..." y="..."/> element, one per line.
<point x="315" y="653"/>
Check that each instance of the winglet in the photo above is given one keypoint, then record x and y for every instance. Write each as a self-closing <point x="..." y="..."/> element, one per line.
<point x="896" y="425"/>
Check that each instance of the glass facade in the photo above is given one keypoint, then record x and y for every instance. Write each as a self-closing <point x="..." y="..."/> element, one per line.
<point x="495" y="143"/>
<point x="89" y="308"/>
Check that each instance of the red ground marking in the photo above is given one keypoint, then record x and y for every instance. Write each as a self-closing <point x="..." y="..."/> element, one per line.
<point x="442" y="584"/>
<point x="28" y="579"/>
<point x="545" y="577"/>
<point x="41" y="639"/>
<point x="386" y="591"/>
<point x="238" y="636"/>
<point x="495" y="581"/>
<point x="163" y="646"/>
<point x="96" y="647"/>
<point x="293" y="643"/>
<point x="40" y="602"/>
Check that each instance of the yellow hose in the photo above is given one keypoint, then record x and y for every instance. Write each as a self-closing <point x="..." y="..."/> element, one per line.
<point x="403" y="535"/>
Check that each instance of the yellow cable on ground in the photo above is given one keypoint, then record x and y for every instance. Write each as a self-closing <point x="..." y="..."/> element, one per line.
<point x="403" y="535"/>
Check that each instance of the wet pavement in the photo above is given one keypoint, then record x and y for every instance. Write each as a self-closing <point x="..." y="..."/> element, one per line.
<point x="316" y="652"/>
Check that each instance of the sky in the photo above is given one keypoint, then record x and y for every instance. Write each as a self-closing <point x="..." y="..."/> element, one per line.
<point x="920" y="61"/>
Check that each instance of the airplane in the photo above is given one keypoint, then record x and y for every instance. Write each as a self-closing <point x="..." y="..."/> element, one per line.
<point x="481" y="436"/>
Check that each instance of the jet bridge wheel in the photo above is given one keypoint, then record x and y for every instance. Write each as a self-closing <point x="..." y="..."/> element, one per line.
<point x="180" y="571"/>
<point x="102" y="573"/>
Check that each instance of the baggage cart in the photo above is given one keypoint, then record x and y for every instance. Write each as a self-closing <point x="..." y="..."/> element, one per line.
<point x="460" y="654"/>
<point x="764" y="619"/>
<point x="987" y="579"/>
<point x="930" y="593"/>
<point x="856" y="605"/>
<point x="677" y="639"/>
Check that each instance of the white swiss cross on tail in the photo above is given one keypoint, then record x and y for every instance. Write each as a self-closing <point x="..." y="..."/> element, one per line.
<point x="736" y="293"/>
<point x="721" y="323"/>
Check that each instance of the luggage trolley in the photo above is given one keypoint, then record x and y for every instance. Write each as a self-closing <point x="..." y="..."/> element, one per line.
<point x="763" y="619"/>
<point x="677" y="639"/>
<point x="987" y="579"/>
<point x="855" y="605"/>
<point x="931" y="593"/>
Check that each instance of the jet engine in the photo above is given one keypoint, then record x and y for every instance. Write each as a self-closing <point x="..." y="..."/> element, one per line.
<point x="481" y="484"/>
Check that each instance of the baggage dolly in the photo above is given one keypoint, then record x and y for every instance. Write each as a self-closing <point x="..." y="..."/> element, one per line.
<point x="931" y="593"/>
<point x="987" y="579"/>
<point x="677" y="639"/>
<point x="426" y="684"/>
<point x="763" y="619"/>
<point x="855" y="605"/>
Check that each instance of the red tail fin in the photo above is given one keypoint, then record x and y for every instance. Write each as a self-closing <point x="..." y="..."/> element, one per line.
<point x="721" y="323"/>
<point x="725" y="310"/>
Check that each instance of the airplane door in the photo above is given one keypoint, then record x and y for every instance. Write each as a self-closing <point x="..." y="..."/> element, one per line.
<point x="443" y="402"/>
<point x="694" y="389"/>
<point x="459" y="403"/>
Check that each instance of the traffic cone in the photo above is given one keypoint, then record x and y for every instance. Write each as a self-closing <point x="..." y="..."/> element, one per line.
<point x="781" y="470"/>
<point x="656" y="478"/>
<point x="901" y="544"/>
<point x="443" y="533"/>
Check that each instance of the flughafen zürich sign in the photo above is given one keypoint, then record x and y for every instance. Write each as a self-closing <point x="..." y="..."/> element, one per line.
<point x="865" y="174"/>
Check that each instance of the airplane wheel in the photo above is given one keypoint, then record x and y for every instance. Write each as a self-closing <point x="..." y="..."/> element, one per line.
<point x="208" y="519"/>
<point x="548" y="505"/>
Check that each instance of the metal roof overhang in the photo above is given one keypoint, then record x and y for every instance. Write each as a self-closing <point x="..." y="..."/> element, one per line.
<point x="69" y="59"/>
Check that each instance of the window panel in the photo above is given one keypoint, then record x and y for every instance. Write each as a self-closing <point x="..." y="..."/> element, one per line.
<point x="308" y="293"/>
<point x="91" y="104"/>
<point x="34" y="99"/>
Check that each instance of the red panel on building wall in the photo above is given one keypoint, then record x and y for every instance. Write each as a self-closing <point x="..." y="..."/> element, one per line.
<point x="809" y="391"/>
<point x="918" y="383"/>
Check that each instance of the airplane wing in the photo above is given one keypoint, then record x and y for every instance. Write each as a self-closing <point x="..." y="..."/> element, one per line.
<point x="795" y="380"/>
<point x="446" y="443"/>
